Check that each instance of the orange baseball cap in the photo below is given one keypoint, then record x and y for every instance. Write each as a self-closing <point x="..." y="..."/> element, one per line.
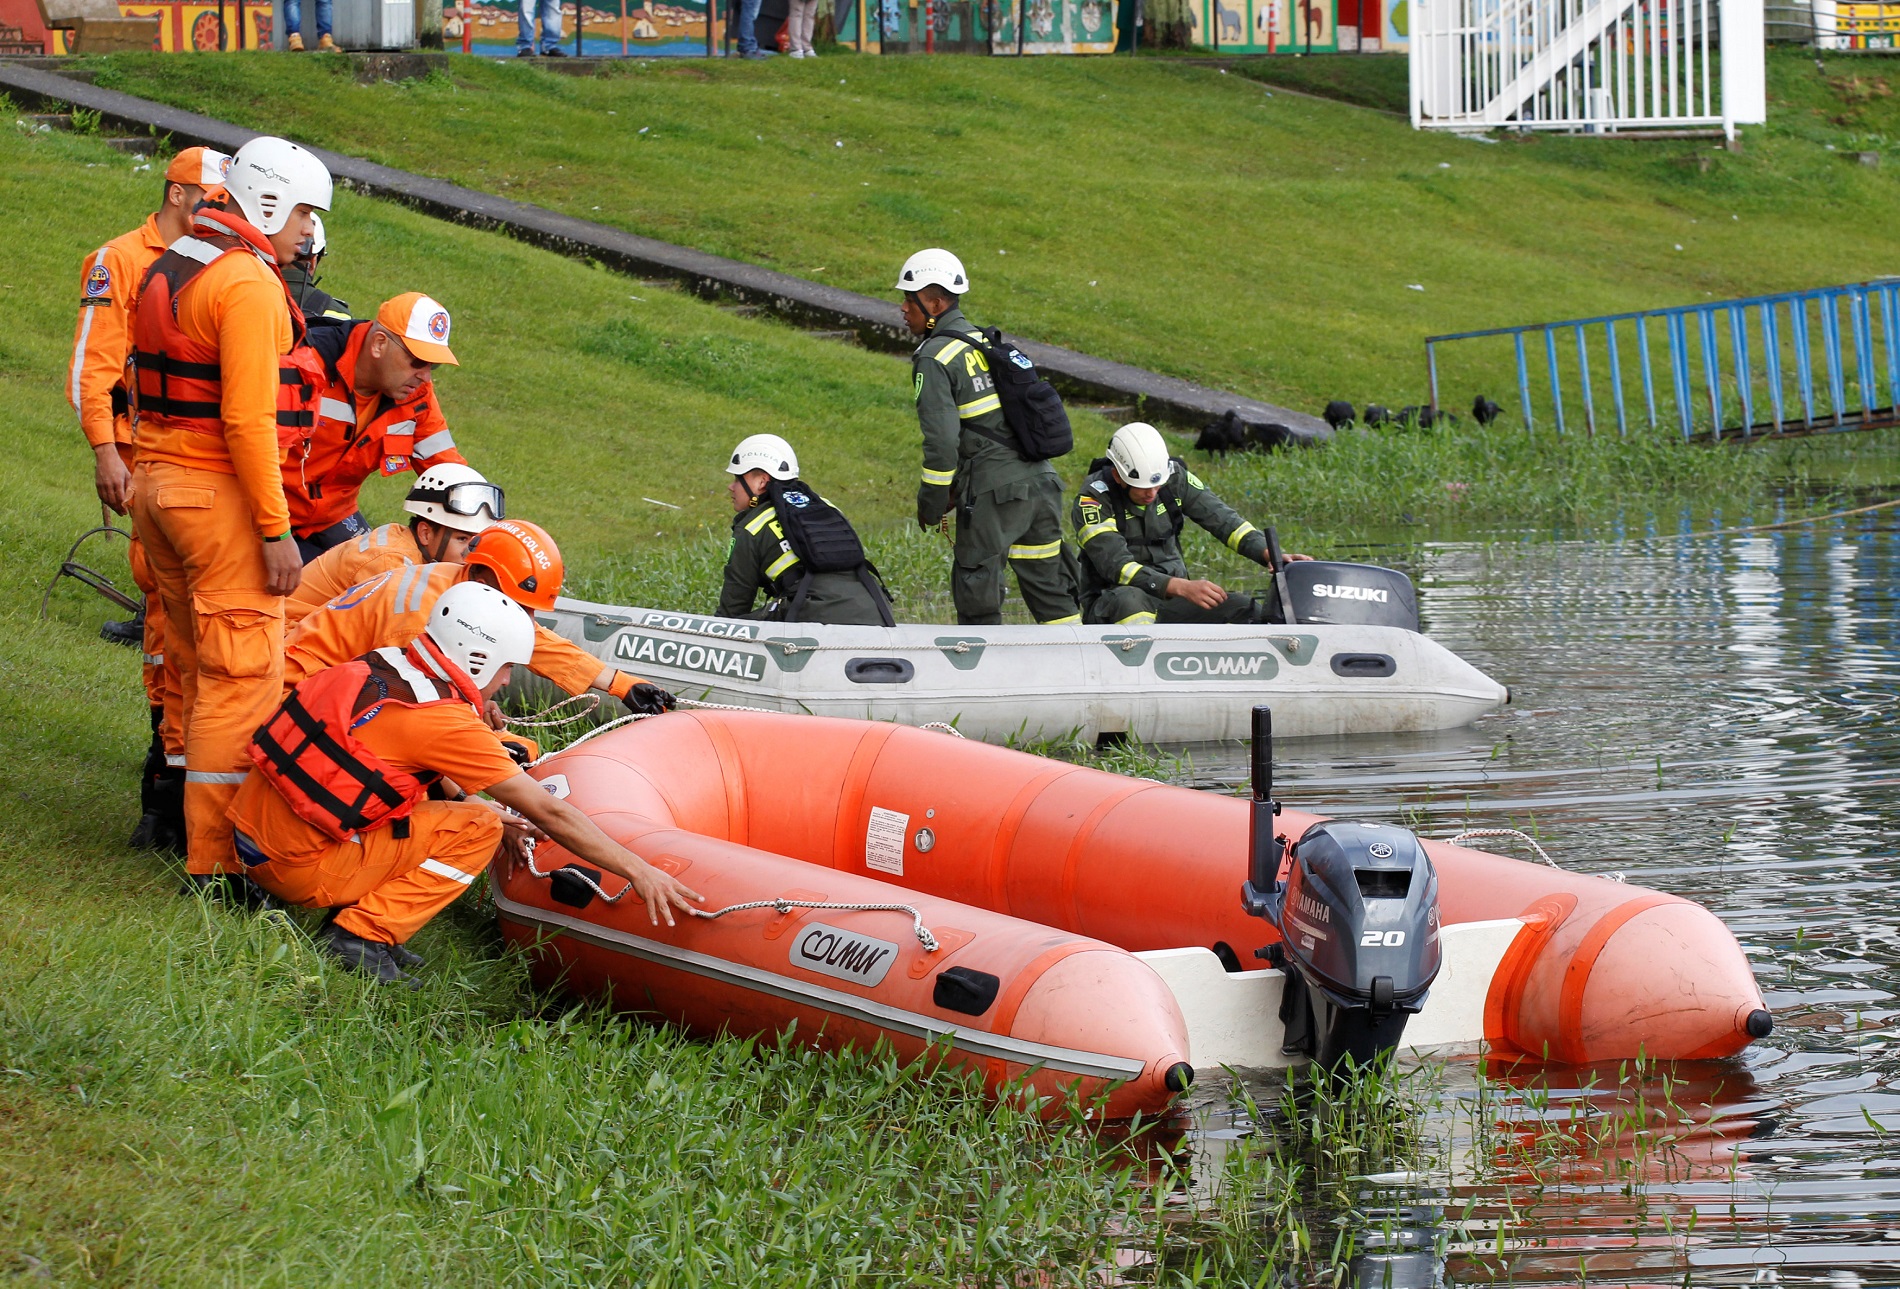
<point x="204" y="167"/>
<point x="423" y="325"/>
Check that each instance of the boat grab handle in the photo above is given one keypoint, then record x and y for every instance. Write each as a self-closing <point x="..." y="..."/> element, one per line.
<point x="575" y="873"/>
<point x="879" y="671"/>
<point x="1364" y="664"/>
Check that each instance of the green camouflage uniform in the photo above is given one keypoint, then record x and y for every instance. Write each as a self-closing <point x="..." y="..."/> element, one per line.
<point x="1007" y="508"/>
<point x="1128" y="557"/>
<point x="760" y="559"/>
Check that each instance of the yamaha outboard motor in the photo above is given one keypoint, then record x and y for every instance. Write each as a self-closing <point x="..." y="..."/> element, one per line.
<point x="1322" y="591"/>
<point x="1356" y="906"/>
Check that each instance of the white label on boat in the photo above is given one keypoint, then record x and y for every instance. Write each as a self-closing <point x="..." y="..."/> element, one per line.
<point x="833" y="951"/>
<point x="555" y="785"/>
<point x="884" y="841"/>
<point x="689" y="655"/>
<point x="1215" y="666"/>
<point x="702" y="626"/>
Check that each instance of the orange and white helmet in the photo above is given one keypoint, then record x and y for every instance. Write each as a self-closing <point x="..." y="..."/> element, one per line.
<point x="524" y="559"/>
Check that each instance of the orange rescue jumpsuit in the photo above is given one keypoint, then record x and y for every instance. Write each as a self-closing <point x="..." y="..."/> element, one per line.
<point x="391" y="885"/>
<point x="357" y="435"/>
<point x="393" y="608"/>
<point x="202" y="503"/>
<point x="102" y="342"/>
<point x="341" y="567"/>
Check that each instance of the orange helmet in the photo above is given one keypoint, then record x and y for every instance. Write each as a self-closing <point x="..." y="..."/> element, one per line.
<point x="524" y="559"/>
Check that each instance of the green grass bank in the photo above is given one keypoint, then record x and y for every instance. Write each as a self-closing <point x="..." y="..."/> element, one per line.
<point x="1151" y="210"/>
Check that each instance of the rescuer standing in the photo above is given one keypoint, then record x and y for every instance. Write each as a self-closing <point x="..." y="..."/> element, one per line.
<point x="1008" y="507"/>
<point x="102" y="344"/>
<point x="335" y="814"/>
<point x="219" y="399"/>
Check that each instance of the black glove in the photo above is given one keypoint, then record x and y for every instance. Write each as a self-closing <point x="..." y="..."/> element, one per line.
<point x="649" y="700"/>
<point x="933" y="501"/>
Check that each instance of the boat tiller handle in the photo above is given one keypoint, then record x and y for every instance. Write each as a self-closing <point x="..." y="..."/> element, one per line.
<point x="1263" y="847"/>
<point x="1276" y="564"/>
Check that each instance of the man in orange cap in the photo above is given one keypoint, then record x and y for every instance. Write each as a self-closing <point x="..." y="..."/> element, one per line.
<point x="220" y="394"/>
<point x="377" y="415"/>
<point x="515" y="557"/>
<point x="95" y="385"/>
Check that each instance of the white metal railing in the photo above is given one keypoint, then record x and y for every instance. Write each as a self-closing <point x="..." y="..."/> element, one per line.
<point x="1592" y="65"/>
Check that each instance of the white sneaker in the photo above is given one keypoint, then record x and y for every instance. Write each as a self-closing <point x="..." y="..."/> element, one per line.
<point x="797" y="53"/>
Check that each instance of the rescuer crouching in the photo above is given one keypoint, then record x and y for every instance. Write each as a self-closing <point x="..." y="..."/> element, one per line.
<point x="360" y="799"/>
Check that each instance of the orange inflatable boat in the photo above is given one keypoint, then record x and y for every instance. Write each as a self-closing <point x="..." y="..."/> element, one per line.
<point x="1038" y="881"/>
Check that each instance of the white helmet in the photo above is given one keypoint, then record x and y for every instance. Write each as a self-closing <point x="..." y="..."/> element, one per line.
<point x="934" y="267"/>
<point x="480" y="630"/>
<point x="767" y="452"/>
<point x="1139" y="455"/>
<point x="271" y="177"/>
<point x="318" y="243"/>
<point x="456" y="496"/>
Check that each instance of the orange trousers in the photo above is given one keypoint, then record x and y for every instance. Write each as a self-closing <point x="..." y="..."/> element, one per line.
<point x="160" y="672"/>
<point x="388" y="887"/>
<point x="225" y="636"/>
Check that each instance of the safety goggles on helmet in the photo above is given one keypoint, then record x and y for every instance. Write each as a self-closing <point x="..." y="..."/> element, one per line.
<point x="465" y="499"/>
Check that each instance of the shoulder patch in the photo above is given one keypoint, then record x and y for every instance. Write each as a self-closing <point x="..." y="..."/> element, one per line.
<point x="395" y="464"/>
<point x="1101" y="486"/>
<point x="1089" y="504"/>
<point x="98" y="281"/>
<point x="1194" y="481"/>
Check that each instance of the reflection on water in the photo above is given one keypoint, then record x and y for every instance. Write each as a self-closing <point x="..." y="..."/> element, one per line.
<point x="1714" y="717"/>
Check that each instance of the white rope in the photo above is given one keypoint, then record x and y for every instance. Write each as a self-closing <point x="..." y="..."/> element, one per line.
<point x="1475" y="834"/>
<point x="945" y="726"/>
<point x="1125" y="644"/>
<point x="546" y="716"/>
<point x="782" y="905"/>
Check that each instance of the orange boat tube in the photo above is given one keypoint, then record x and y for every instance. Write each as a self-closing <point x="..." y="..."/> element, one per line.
<point x="1046" y="877"/>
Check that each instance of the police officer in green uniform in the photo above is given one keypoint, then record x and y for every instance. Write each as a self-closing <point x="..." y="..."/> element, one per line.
<point x="300" y="275"/>
<point x="1008" y="509"/>
<point x="776" y="512"/>
<point x="1129" y="517"/>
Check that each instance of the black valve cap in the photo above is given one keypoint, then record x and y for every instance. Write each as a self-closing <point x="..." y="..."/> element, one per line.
<point x="1759" y="1024"/>
<point x="1180" y="1077"/>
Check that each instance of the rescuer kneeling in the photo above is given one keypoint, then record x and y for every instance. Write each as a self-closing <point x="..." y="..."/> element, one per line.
<point x="337" y="812"/>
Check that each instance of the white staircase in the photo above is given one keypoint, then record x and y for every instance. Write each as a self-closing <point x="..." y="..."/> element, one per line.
<point x="1598" y="66"/>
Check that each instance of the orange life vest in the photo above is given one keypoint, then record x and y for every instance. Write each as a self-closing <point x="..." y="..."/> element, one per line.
<point x="310" y="753"/>
<point x="177" y="380"/>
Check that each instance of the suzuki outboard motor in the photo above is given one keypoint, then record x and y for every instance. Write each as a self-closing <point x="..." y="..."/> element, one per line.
<point x="1322" y="591"/>
<point x="1356" y="906"/>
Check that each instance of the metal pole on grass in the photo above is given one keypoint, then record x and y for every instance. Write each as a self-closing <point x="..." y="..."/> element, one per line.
<point x="1431" y="370"/>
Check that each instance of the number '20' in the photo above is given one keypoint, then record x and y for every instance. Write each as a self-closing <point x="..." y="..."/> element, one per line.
<point x="1381" y="939"/>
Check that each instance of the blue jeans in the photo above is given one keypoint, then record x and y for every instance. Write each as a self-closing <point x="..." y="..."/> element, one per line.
<point x="293" y="17"/>
<point x="748" y="26"/>
<point x="550" y="24"/>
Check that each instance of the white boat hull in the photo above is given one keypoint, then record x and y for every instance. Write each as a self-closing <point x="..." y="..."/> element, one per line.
<point x="1157" y="683"/>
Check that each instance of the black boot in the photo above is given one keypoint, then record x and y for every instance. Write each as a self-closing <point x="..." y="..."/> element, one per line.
<point x="406" y="960"/>
<point x="162" y="827"/>
<point x="366" y="957"/>
<point x="130" y="632"/>
<point x="144" y="833"/>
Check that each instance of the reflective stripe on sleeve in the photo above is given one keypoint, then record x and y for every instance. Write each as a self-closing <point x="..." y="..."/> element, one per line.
<point x="1136" y="619"/>
<point x="441" y="869"/>
<point x="940" y="478"/>
<point x="1234" y="538"/>
<point x="950" y="351"/>
<point x="780" y="564"/>
<point x="1070" y="620"/>
<point x="440" y="441"/>
<point x="208" y="776"/>
<point x="1091" y="531"/>
<point x="85" y="334"/>
<point x="979" y="406"/>
<point x="1047" y="550"/>
<point x="337" y="410"/>
<point x="1128" y="572"/>
<point x="760" y="520"/>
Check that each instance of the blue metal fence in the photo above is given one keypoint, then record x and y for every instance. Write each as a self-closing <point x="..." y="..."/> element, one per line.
<point x="1802" y="362"/>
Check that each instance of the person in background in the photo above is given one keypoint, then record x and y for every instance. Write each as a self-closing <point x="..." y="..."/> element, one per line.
<point x="776" y="515"/>
<point x="406" y="722"/>
<point x="746" y="25"/>
<point x="110" y="278"/>
<point x="293" y="25"/>
<point x="550" y="29"/>
<point x="799" y="24"/>
<point x="1128" y="517"/>
<point x="447" y="507"/>
<point x="377" y="414"/>
<point x="301" y="277"/>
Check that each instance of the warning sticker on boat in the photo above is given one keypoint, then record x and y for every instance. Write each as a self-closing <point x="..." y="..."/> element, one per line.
<point x="845" y="955"/>
<point x="884" y="841"/>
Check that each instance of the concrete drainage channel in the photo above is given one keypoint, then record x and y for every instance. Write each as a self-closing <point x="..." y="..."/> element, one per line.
<point x="827" y="311"/>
